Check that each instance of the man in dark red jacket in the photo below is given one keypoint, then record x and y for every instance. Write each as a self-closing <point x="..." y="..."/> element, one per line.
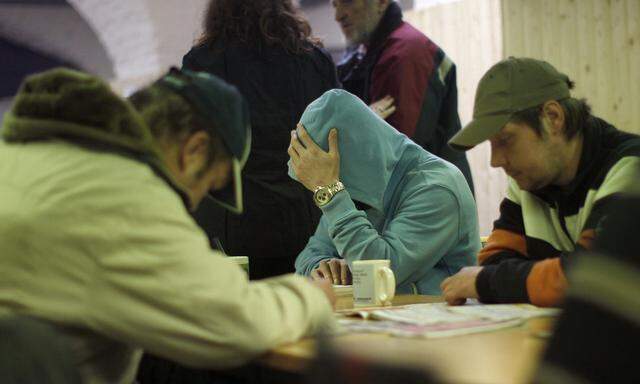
<point x="387" y="56"/>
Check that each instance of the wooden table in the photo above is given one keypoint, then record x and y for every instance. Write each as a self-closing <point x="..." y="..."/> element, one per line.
<point x="505" y="356"/>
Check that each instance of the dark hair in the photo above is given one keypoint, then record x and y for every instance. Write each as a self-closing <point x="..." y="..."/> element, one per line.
<point x="257" y="23"/>
<point x="576" y="112"/>
<point x="170" y="117"/>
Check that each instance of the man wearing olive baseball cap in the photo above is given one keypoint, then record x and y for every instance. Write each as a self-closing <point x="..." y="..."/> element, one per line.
<point x="565" y="167"/>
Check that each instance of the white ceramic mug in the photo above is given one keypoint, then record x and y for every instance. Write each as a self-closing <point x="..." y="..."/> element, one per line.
<point x="373" y="283"/>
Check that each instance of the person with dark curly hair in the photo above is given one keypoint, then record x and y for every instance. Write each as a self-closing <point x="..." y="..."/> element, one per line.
<point x="265" y="48"/>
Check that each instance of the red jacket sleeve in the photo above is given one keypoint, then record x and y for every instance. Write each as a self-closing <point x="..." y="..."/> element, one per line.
<point x="402" y="71"/>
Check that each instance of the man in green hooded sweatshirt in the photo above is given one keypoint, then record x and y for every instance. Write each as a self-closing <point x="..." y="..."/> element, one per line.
<point x="96" y="237"/>
<point x="381" y="196"/>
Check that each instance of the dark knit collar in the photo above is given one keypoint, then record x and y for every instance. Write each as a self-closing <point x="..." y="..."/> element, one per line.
<point x="592" y="134"/>
<point x="390" y="21"/>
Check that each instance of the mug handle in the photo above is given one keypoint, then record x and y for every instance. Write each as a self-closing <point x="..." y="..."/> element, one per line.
<point x="389" y="285"/>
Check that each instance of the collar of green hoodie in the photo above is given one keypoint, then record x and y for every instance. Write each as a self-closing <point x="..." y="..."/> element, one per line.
<point x="370" y="148"/>
<point x="74" y="106"/>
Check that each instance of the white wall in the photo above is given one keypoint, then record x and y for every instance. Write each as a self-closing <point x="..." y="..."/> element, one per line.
<point x="177" y="25"/>
<point x="325" y="27"/>
<point x="143" y="37"/>
<point x="56" y="30"/>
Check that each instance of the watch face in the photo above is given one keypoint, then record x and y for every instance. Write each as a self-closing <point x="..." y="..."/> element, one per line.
<point x="322" y="196"/>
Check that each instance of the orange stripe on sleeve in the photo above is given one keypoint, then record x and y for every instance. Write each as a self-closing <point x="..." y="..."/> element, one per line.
<point x="501" y="240"/>
<point x="586" y="238"/>
<point x="546" y="283"/>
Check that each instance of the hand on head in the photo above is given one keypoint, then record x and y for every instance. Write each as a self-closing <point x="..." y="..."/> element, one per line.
<point x="313" y="166"/>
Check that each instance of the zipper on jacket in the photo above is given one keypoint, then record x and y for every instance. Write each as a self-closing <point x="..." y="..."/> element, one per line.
<point x="563" y="224"/>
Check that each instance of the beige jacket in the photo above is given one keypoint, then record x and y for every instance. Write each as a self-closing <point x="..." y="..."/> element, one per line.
<point x="99" y="245"/>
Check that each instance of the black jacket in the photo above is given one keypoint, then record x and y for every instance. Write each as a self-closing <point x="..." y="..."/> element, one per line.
<point x="279" y="213"/>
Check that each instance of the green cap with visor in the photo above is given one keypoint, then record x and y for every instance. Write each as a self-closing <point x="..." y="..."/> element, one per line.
<point x="510" y="86"/>
<point x="219" y="102"/>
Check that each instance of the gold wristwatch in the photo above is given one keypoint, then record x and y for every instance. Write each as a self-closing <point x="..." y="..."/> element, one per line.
<point x="322" y="195"/>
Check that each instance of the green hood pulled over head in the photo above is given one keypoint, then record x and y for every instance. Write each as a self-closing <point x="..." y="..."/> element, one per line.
<point x="369" y="147"/>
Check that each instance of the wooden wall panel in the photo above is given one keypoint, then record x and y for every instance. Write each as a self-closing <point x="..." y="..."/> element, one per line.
<point x="595" y="42"/>
<point x="470" y="32"/>
<point x="633" y="57"/>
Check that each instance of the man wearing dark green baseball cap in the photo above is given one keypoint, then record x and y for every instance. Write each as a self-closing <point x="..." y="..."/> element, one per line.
<point x="95" y="232"/>
<point x="565" y="167"/>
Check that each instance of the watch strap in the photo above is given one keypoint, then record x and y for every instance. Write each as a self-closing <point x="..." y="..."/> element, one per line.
<point x="326" y="192"/>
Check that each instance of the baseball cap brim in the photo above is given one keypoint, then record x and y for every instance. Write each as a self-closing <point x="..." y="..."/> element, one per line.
<point x="230" y="197"/>
<point x="478" y="130"/>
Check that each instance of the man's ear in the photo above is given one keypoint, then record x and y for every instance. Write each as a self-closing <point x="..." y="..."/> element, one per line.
<point x="194" y="151"/>
<point x="555" y="116"/>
